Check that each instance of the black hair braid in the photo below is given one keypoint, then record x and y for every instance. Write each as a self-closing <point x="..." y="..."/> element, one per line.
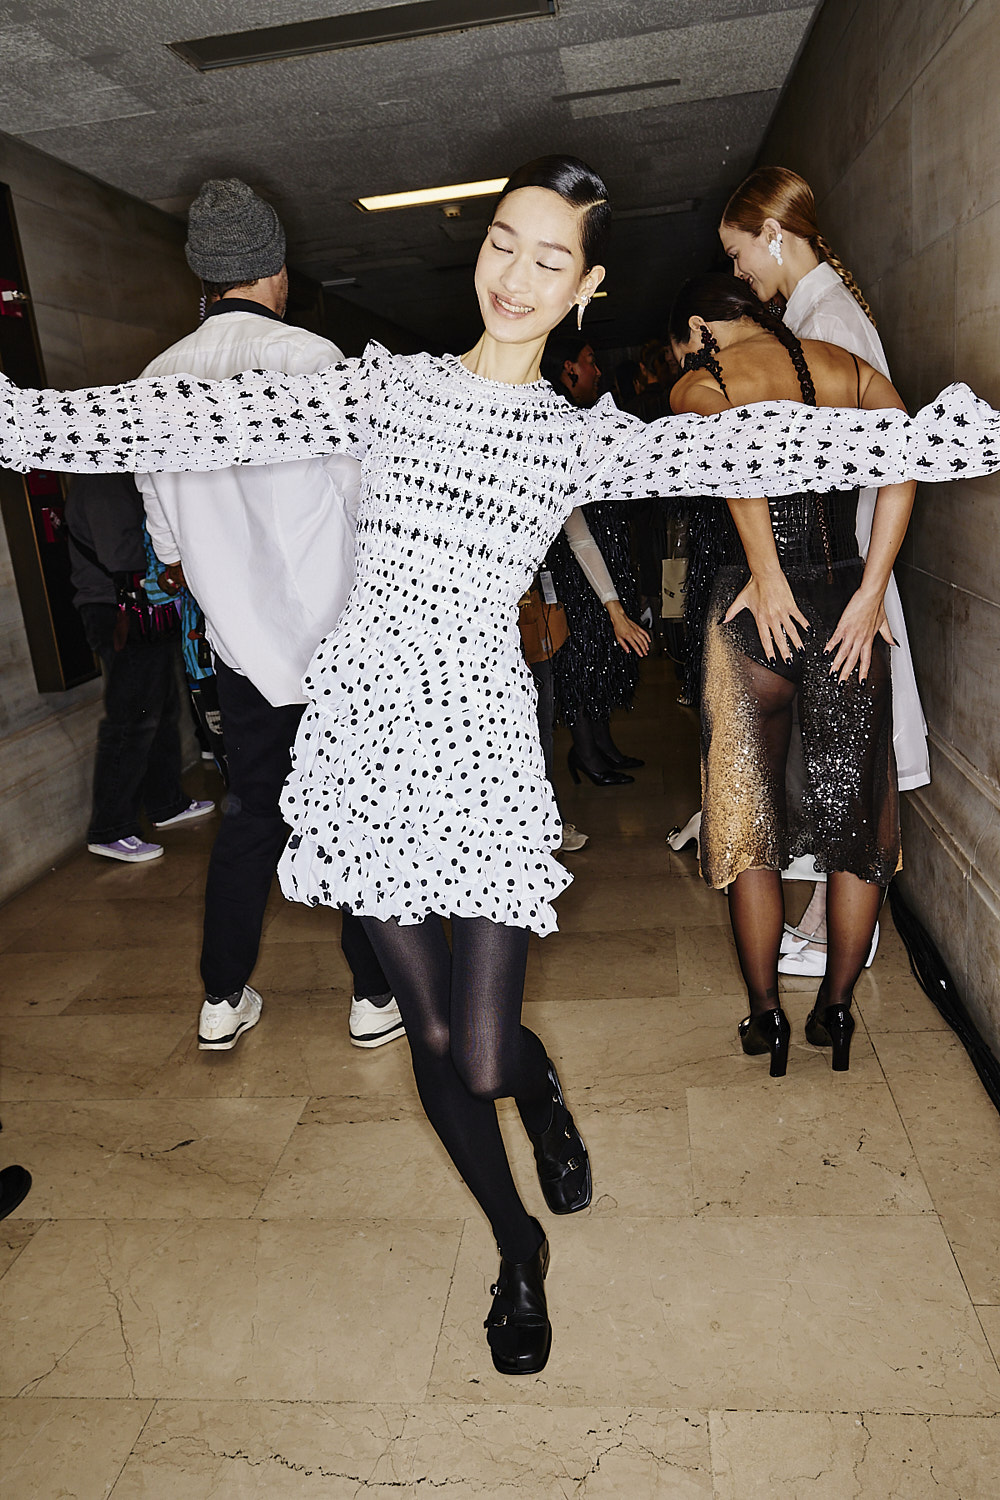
<point x="706" y="358"/>
<point x="785" y="336"/>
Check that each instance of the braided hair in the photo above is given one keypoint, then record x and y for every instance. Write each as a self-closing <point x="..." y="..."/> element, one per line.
<point x="779" y="193"/>
<point x="719" y="298"/>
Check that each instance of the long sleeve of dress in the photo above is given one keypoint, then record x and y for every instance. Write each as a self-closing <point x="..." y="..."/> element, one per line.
<point x="177" y="423"/>
<point x="588" y="554"/>
<point x="781" y="447"/>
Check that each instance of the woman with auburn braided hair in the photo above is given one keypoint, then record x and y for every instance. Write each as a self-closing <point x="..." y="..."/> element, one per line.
<point x="769" y="230"/>
<point x="829" y="657"/>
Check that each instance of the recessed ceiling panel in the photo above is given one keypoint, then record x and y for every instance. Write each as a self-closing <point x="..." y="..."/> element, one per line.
<point x="749" y="54"/>
<point x="389" y="23"/>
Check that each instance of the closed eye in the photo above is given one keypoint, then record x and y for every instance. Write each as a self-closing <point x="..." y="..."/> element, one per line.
<point x="503" y="250"/>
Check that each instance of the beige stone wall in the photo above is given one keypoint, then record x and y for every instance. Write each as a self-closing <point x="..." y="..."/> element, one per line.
<point x="110" y="288"/>
<point x="893" y="114"/>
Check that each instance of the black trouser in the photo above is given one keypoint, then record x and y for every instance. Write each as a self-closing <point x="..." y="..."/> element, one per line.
<point x="250" y="840"/>
<point x="138" y="764"/>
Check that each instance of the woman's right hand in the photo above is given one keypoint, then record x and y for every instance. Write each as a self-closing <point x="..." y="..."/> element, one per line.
<point x="770" y="600"/>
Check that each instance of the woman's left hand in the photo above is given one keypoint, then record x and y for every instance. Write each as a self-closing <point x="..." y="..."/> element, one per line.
<point x="851" y="644"/>
<point x="629" y="635"/>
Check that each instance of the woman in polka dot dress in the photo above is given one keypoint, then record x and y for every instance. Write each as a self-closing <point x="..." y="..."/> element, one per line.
<point x="418" y="789"/>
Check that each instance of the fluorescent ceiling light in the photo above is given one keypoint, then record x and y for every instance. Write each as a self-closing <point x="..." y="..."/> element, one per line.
<point x="384" y="23"/>
<point x="452" y="194"/>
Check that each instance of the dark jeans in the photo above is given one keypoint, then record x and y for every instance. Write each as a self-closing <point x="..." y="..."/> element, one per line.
<point x="138" y="763"/>
<point x="250" y="841"/>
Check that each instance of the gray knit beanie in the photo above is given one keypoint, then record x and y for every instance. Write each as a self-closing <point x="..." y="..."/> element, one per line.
<point x="233" y="236"/>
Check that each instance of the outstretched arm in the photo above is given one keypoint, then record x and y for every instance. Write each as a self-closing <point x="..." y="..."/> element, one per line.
<point x="177" y="423"/>
<point x="781" y="447"/>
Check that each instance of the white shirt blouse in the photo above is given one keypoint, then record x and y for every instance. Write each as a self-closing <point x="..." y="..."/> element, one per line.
<point x="822" y="308"/>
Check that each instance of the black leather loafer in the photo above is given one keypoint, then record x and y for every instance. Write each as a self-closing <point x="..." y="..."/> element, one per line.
<point x="561" y="1157"/>
<point x="518" y="1330"/>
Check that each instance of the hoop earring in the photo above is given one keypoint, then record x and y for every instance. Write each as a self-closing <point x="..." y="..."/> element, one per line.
<point x="581" y="307"/>
<point x="774" y="248"/>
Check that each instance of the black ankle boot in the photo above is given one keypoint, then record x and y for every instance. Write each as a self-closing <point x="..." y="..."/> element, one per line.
<point x="561" y="1157"/>
<point x="832" y="1026"/>
<point x="518" y="1330"/>
<point x="767" y="1032"/>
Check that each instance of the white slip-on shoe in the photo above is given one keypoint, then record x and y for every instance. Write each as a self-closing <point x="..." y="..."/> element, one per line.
<point x="807" y="962"/>
<point x="374" y="1025"/>
<point x="221" y="1025"/>
<point x="187" y="814"/>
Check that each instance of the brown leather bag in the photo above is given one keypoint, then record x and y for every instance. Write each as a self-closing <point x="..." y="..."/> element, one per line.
<point x="544" y="627"/>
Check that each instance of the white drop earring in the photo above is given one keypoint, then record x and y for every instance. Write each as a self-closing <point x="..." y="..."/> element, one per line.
<point x="581" y="307"/>
<point x="774" y="248"/>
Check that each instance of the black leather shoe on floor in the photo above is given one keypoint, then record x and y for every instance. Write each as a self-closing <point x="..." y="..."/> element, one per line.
<point x="561" y="1157"/>
<point x="518" y="1330"/>
<point x="768" y="1031"/>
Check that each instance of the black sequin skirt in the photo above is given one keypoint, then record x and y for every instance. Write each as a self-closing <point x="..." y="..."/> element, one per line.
<point x="848" y="816"/>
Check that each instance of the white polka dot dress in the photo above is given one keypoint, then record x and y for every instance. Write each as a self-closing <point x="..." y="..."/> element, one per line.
<point x="417" y="784"/>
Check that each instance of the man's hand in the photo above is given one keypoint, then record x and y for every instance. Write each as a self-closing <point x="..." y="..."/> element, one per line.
<point x="172" y="580"/>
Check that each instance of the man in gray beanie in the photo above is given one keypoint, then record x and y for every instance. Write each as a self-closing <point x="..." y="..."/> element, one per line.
<point x="268" y="552"/>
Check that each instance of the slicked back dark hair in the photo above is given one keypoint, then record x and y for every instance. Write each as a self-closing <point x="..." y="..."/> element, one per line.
<point x="719" y="298"/>
<point x="576" y="184"/>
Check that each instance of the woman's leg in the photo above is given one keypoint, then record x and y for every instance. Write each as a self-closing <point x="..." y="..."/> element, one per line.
<point x="482" y="989"/>
<point x="852" y="908"/>
<point x="756" y="898"/>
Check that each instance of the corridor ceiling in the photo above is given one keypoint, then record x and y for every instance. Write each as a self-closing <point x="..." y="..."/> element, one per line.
<point x="669" y="99"/>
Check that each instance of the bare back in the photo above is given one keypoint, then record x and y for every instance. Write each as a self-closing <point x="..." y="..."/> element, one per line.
<point x="760" y="368"/>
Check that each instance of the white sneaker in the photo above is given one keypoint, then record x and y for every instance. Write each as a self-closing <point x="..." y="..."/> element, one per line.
<point x="374" y="1025"/>
<point x="572" y="839"/>
<point x="132" y="850"/>
<point x="221" y="1025"/>
<point x="193" y="810"/>
<point x="810" y="962"/>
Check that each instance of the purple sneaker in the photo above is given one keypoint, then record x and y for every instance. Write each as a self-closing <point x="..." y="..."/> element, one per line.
<point x="193" y="810"/>
<point x="132" y="850"/>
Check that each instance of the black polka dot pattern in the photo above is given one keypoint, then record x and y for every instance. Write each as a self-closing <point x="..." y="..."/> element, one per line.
<point x="417" y="783"/>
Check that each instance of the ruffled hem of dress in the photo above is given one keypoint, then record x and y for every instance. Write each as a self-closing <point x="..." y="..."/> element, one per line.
<point x="311" y="876"/>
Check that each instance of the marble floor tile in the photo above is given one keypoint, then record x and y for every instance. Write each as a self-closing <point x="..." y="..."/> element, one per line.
<point x="293" y="970"/>
<point x="618" y="904"/>
<point x="141" y="979"/>
<point x="645" y="857"/>
<point x="272" y="1451"/>
<point x="300" y="1050"/>
<point x="85" y="1057"/>
<point x="640" y="1157"/>
<point x="229" y="1309"/>
<point x="54" y="1449"/>
<point x="44" y="984"/>
<point x="146" y="1158"/>
<point x="291" y="922"/>
<point x="14" y="1235"/>
<point x="388" y="1169"/>
<point x="611" y="813"/>
<point x="104" y="925"/>
<point x="802" y="1150"/>
<point x="989" y="1317"/>
<point x="871" y="1456"/>
<point x="955" y="1133"/>
<point x="750" y="1313"/>
<point x="601" y="965"/>
<point x="895" y="1002"/>
<point x="89" y="877"/>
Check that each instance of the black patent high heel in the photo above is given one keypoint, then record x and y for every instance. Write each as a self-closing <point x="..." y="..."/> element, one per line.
<point x="599" y="778"/>
<point x="768" y="1031"/>
<point x="561" y="1157"/>
<point x="517" y="1325"/>
<point x="834" y="1028"/>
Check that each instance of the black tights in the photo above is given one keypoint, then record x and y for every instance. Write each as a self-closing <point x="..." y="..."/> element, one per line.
<point x="593" y="743"/>
<point x="462" y="1012"/>
<point x="756" y="897"/>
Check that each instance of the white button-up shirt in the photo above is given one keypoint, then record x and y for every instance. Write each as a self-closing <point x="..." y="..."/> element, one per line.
<point x="268" y="551"/>
<point x="822" y="308"/>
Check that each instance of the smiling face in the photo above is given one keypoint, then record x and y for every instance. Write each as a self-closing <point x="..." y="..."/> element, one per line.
<point x="752" y="262"/>
<point x="531" y="270"/>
